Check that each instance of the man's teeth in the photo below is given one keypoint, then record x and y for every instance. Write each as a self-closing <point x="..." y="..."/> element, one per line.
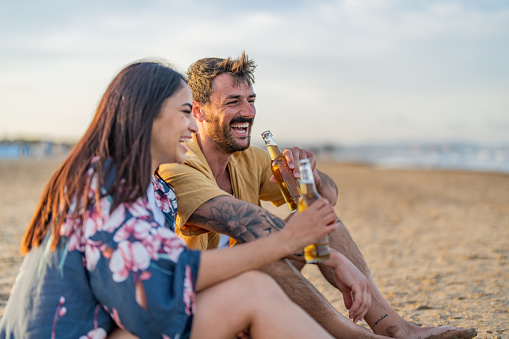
<point x="243" y="126"/>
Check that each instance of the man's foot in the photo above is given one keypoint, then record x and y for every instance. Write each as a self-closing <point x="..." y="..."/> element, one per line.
<point x="447" y="332"/>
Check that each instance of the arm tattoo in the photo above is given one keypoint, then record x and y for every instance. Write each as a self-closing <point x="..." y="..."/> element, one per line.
<point x="238" y="219"/>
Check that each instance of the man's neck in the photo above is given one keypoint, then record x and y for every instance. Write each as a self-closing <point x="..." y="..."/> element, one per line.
<point x="217" y="159"/>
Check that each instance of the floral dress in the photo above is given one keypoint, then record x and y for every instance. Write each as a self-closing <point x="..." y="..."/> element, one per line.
<point x="120" y="268"/>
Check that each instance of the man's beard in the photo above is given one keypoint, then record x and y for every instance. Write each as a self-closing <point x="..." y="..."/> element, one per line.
<point x="222" y="135"/>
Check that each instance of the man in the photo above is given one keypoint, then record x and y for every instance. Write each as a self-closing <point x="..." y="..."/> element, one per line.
<point x="220" y="187"/>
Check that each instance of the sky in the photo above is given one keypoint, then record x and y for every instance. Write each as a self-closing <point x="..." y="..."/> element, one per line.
<point x="336" y="72"/>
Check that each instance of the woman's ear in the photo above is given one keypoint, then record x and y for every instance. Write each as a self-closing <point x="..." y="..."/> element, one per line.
<point x="198" y="111"/>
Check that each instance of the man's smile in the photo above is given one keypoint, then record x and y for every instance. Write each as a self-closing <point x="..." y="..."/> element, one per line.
<point x="242" y="129"/>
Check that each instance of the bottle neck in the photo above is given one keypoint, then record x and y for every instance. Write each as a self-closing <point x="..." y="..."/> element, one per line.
<point x="307" y="188"/>
<point x="307" y="181"/>
<point x="273" y="151"/>
<point x="271" y="145"/>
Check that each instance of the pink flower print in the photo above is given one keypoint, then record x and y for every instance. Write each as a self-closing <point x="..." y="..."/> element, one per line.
<point x="70" y="223"/>
<point x="173" y="199"/>
<point x="92" y="255"/>
<point x="76" y="241"/>
<point x="141" y="258"/>
<point x="128" y="257"/>
<point x="149" y="237"/>
<point x="163" y="202"/>
<point x="93" y="183"/>
<point x="62" y="311"/>
<point x="91" y="223"/>
<point x="120" y="263"/>
<point x="59" y="313"/>
<point x="152" y="244"/>
<point x="97" y="333"/>
<point x="188" y="292"/>
<point x="145" y="275"/>
<point x="115" y="219"/>
<point x="139" y="208"/>
<point x="138" y="228"/>
<point x="125" y="231"/>
<point x="96" y="219"/>
<point x="172" y="244"/>
<point x="142" y="229"/>
<point x="166" y="337"/>
<point x="115" y="317"/>
<point x="72" y="229"/>
<point x="158" y="186"/>
<point x="105" y="206"/>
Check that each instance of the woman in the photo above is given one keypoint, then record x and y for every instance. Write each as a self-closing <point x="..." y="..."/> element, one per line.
<point x="100" y="252"/>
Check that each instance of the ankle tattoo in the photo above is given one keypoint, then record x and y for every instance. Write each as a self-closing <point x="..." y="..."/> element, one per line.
<point x="381" y="318"/>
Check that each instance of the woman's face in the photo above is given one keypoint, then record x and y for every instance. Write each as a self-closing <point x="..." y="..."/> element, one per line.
<point x="172" y="128"/>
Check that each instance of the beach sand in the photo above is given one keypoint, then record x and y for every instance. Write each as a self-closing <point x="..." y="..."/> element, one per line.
<point x="437" y="242"/>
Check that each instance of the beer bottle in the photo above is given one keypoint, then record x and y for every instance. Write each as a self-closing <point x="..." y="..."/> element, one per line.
<point x="288" y="185"/>
<point x="318" y="251"/>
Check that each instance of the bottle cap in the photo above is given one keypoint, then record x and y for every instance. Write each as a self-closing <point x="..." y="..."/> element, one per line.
<point x="304" y="162"/>
<point x="266" y="134"/>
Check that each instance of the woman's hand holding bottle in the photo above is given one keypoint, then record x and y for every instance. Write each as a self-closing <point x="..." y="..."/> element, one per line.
<point x="309" y="226"/>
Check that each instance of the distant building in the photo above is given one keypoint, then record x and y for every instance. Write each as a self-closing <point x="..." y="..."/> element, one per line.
<point x="14" y="149"/>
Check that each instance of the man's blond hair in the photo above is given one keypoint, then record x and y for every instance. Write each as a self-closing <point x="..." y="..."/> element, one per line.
<point x="201" y="74"/>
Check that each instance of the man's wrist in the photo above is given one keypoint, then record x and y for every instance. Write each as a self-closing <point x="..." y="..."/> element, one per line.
<point x="334" y="260"/>
<point x="299" y="256"/>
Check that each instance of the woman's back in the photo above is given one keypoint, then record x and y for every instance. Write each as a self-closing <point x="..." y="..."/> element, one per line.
<point x="52" y="289"/>
<point x="104" y="270"/>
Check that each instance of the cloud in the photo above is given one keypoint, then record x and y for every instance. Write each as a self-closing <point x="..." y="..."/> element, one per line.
<point x="408" y="65"/>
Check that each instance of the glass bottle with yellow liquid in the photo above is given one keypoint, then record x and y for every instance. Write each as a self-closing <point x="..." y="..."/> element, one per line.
<point x="288" y="185"/>
<point x="318" y="251"/>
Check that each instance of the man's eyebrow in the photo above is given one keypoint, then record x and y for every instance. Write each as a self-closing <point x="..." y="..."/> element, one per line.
<point x="236" y="96"/>
<point x="188" y="105"/>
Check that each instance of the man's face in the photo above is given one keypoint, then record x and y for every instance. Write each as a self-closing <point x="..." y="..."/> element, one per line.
<point x="230" y="114"/>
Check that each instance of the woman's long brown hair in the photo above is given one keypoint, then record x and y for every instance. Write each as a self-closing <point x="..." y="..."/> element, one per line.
<point x="120" y="131"/>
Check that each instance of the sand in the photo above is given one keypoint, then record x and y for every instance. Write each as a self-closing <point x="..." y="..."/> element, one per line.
<point x="437" y="242"/>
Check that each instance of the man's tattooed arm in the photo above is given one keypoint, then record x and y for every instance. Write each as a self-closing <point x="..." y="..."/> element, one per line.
<point x="238" y="219"/>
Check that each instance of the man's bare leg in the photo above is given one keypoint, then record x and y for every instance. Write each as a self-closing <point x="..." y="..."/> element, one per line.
<point x="381" y="317"/>
<point x="303" y="293"/>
